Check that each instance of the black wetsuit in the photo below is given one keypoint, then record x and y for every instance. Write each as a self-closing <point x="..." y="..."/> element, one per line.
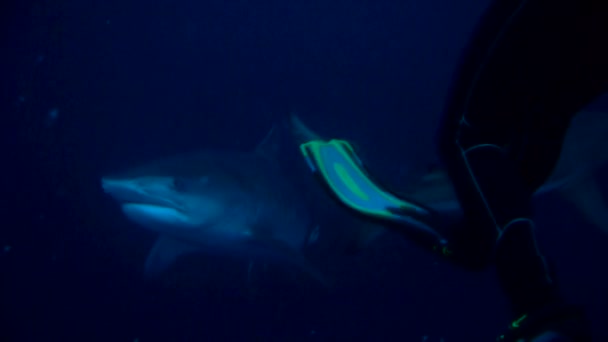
<point x="530" y="66"/>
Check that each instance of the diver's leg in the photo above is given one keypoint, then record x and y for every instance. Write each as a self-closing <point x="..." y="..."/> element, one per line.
<point x="532" y="64"/>
<point x="510" y="106"/>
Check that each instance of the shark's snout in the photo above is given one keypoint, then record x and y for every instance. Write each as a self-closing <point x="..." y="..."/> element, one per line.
<point x="113" y="187"/>
<point x="137" y="191"/>
<point x="148" y="202"/>
<point x="123" y="190"/>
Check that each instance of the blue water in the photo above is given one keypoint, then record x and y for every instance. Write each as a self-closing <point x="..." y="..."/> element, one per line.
<point x="91" y="86"/>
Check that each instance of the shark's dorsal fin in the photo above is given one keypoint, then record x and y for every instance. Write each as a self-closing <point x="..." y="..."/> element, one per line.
<point x="303" y="134"/>
<point x="269" y="146"/>
<point x="164" y="253"/>
<point x="300" y="131"/>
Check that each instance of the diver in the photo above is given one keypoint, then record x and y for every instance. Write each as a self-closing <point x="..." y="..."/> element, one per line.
<point x="529" y="67"/>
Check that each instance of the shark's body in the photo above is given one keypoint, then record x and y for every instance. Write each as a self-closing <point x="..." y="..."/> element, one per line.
<point x="223" y="202"/>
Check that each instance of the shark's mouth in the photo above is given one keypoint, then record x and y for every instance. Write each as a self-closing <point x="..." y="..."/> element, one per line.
<point x="148" y="205"/>
<point x="150" y="214"/>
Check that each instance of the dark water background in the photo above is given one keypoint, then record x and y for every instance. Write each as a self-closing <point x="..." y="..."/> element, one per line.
<point x="91" y="86"/>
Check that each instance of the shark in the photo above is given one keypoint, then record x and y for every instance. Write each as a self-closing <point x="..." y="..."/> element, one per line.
<point x="218" y="202"/>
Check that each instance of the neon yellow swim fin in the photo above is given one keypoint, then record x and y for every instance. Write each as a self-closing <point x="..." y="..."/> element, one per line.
<point x="342" y="173"/>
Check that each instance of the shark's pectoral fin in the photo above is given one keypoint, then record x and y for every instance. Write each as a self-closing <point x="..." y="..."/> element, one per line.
<point x="587" y="197"/>
<point x="164" y="253"/>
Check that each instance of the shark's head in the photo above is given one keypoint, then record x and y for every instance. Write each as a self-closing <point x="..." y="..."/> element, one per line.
<point x="166" y="203"/>
<point x="179" y="195"/>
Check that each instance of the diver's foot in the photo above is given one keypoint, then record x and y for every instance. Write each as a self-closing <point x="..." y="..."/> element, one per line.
<point x="554" y="322"/>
